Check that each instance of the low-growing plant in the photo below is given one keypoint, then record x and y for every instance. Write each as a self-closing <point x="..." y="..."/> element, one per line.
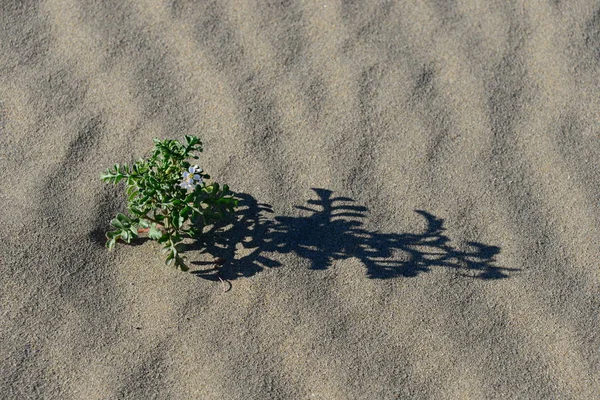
<point x="168" y="197"/>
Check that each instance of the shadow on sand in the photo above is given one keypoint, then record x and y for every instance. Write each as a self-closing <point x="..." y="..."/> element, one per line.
<point x="333" y="231"/>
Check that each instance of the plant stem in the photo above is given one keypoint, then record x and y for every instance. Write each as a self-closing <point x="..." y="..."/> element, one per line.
<point x="152" y="220"/>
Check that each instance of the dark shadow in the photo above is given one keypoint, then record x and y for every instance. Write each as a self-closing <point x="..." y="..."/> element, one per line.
<point x="332" y="231"/>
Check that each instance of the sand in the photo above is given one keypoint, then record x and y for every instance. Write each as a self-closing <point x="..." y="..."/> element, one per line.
<point x="419" y="186"/>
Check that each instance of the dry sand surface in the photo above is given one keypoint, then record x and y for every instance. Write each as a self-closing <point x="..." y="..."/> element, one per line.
<point x="419" y="185"/>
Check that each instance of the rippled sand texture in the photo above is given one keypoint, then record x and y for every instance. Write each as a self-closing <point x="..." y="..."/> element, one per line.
<point x="419" y="186"/>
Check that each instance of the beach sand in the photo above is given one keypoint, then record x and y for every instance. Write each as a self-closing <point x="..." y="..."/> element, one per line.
<point x="419" y="186"/>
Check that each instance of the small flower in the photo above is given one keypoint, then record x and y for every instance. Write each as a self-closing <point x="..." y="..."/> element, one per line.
<point x="187" y="185"/>
<point x="191" y="173"/>
<point x="191" y="178"/>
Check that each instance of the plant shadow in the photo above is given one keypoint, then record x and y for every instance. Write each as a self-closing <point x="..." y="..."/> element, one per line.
<point x="334" y="230"/>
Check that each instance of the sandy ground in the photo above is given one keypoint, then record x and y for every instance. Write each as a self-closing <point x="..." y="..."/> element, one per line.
<point x="419" y="185"/>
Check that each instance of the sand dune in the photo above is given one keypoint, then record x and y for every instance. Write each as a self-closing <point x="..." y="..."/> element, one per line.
<point x="419" y="191"/>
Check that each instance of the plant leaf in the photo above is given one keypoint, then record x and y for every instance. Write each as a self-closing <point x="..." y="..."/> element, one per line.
<point x="116" y="223"/>
<point x="176" y="219"/>
<point x="154" y="232"/>
<point x="164" y="238"/>
<point x="185" y="212"/>
<point x="124" y="220"/>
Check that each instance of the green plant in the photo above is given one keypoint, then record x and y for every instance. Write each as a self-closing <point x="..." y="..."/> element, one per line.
<point x="168" y="197"/>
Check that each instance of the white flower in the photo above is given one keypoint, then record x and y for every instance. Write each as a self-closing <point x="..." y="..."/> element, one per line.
<point x="191" y="173"/>
<point x="187" y="185"/>
<point x="191" y="178"/>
